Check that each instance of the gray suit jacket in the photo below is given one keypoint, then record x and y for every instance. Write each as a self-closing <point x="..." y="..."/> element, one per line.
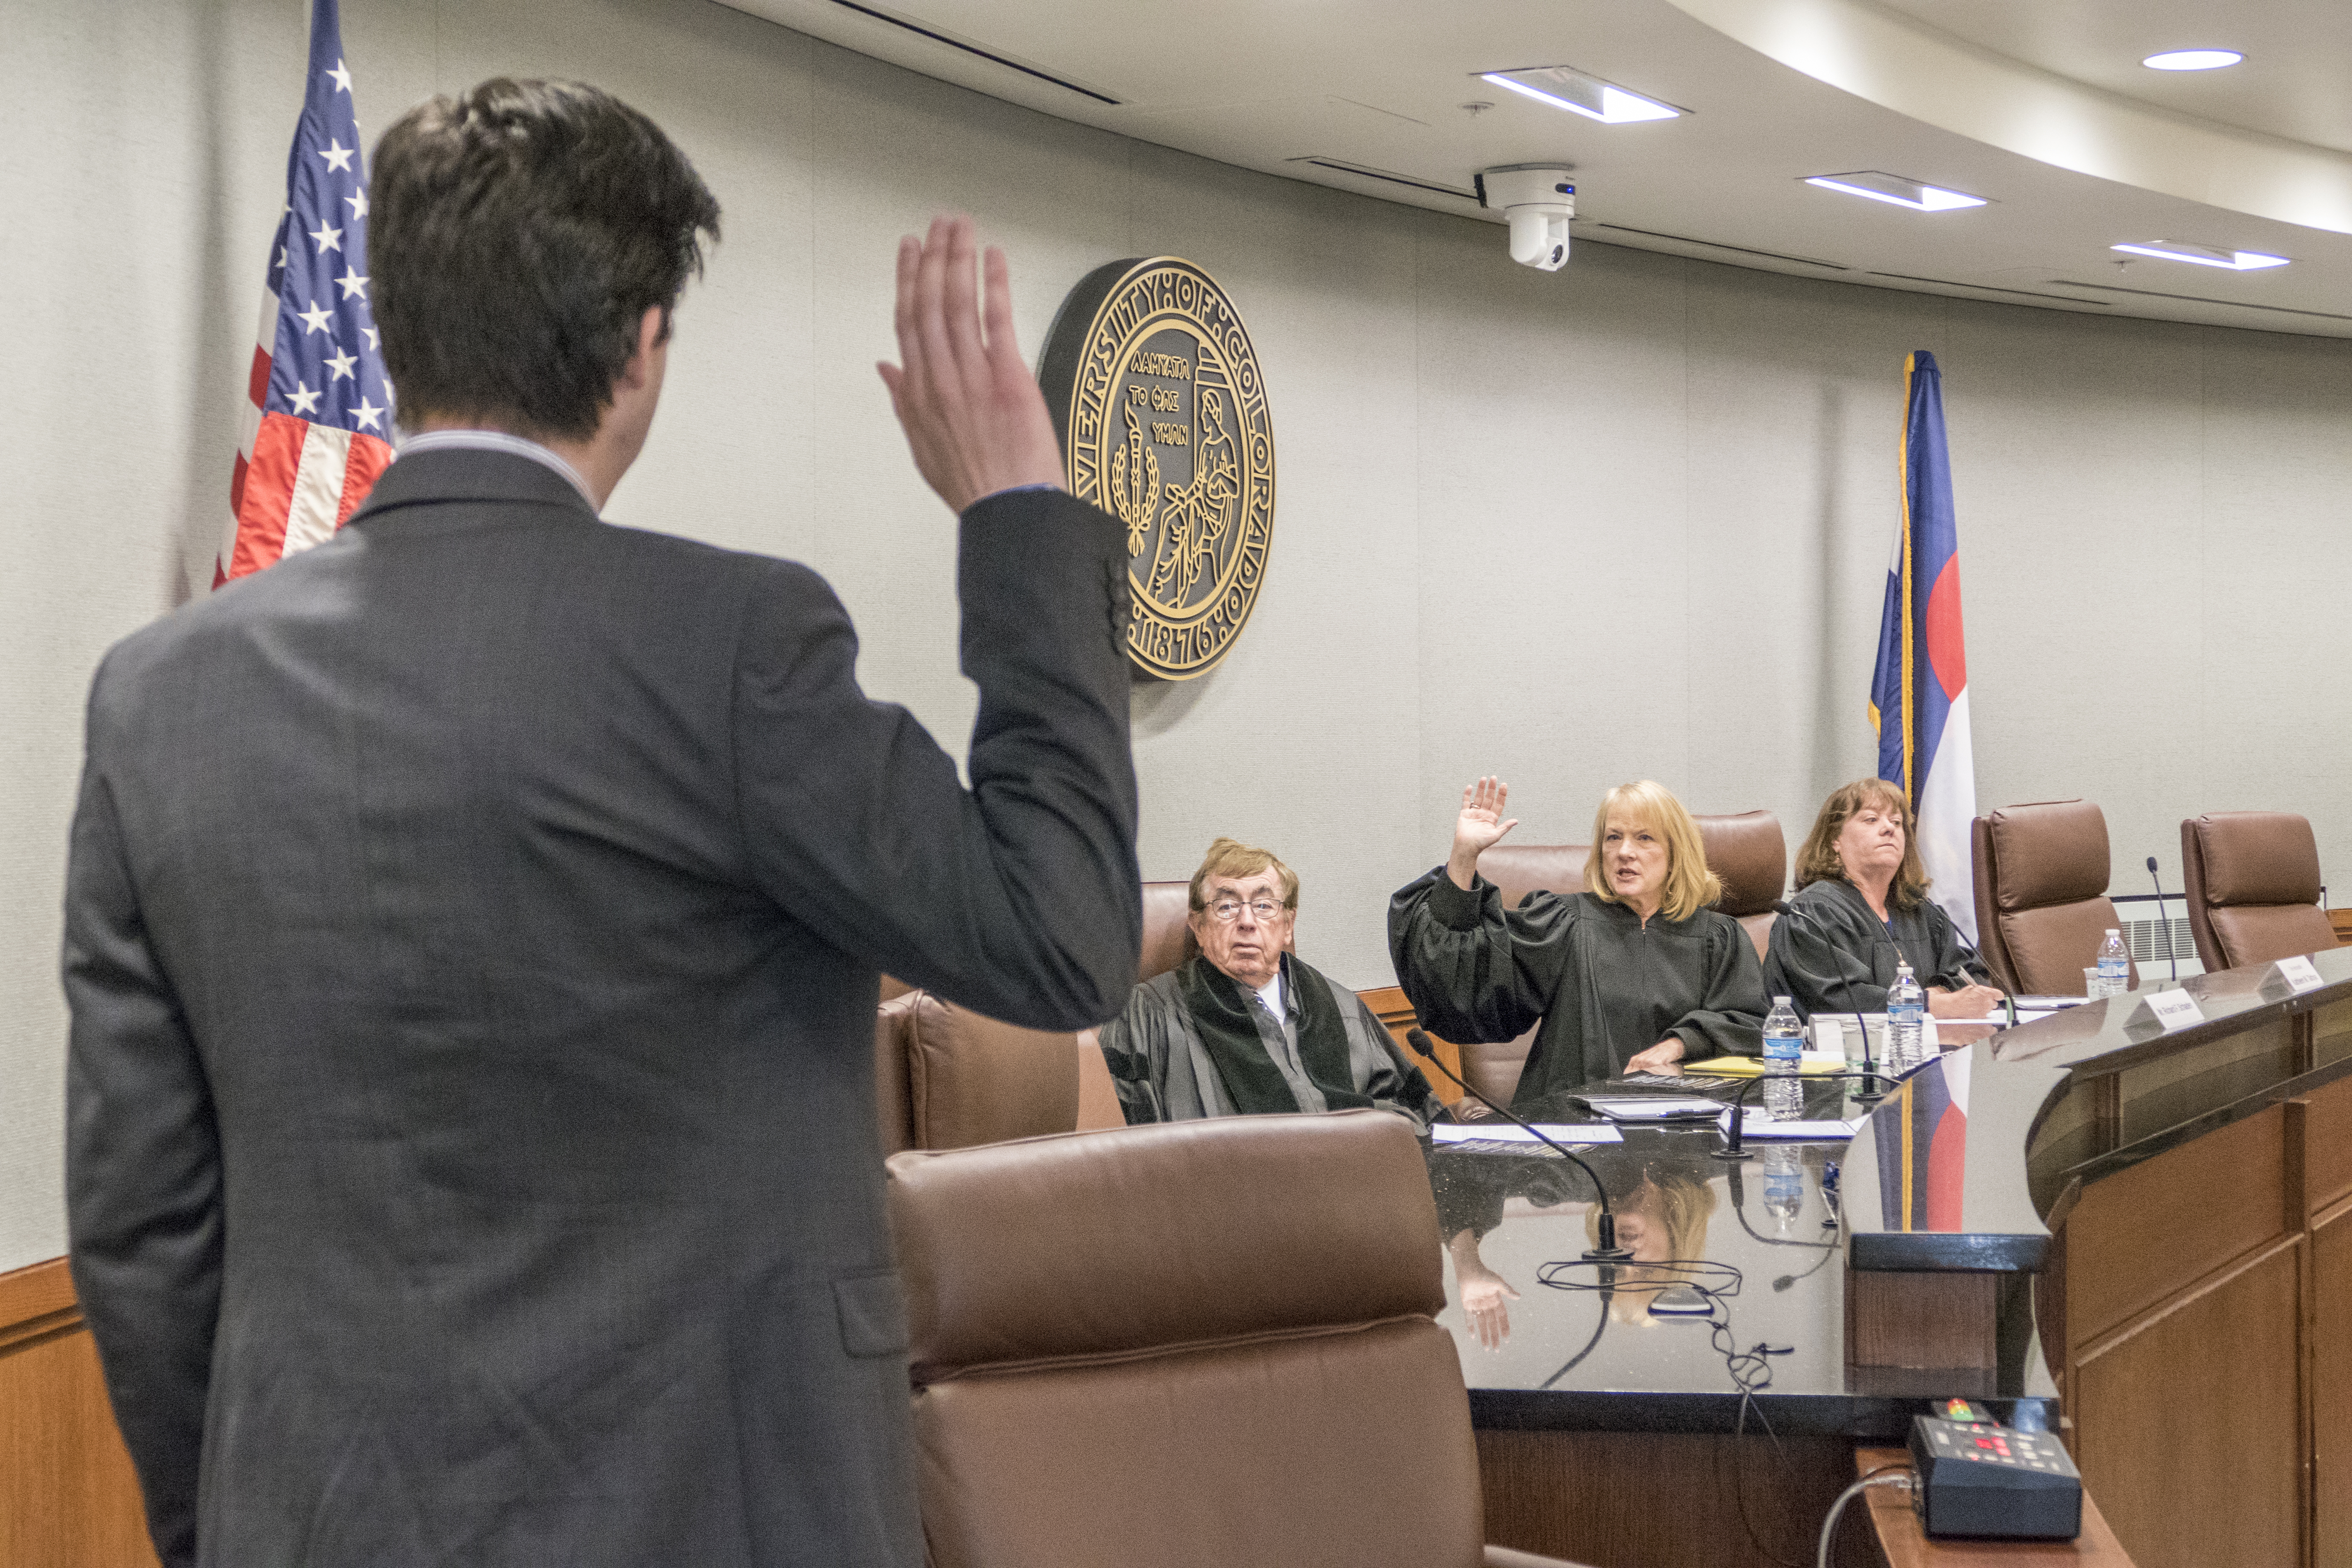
<point x="471" y="935"/>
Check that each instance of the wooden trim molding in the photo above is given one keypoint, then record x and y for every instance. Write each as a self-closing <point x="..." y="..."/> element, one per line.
<point x="36" y="1302"/>
<point x="69" y="1497"/>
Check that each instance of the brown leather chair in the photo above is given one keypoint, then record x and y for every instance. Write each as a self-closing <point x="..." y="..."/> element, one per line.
<point x="1207" y="1342"/>
<point x="1166" y="938"/>
<point x="1752" y="858"/>
<point x="2042" y="895"/>
<point x="945" y="1077"/>
<point x="2253" y="888"/>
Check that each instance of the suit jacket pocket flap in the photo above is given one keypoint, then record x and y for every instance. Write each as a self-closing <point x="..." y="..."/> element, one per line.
<point x="873" y="1313"/>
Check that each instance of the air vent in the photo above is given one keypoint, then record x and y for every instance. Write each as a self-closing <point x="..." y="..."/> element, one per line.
<point x="1361" y="171"/>
<point x="955" y="43"/>
<point x="1716" y="245"/>
<point x="2200" y="299"/>
<point x="1989" y="288"/>
<point x="2161" y="941"/>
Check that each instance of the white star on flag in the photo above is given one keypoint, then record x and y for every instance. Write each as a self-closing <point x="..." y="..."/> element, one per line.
<point x="353" y="283"/>
<point x="371" y="335"/>
<point x="305" y="400"/>
<point x="281" y="258"/>
<point x="341" y="366"/>
<point x="359" y="205"/>
<point x="328" y="239"/>
<point x="367" y="414"/>
<point x="342" y="78"/>
<point x="337" y="155"/>
<point x="315" y="319"/>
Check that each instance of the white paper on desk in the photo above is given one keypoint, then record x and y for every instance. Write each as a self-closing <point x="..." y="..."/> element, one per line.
<point x="1501" y="1131"/>
<point x="1759" y="1123"/>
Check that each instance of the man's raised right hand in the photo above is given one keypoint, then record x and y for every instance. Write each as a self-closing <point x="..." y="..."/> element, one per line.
<point x="973" y="414"/>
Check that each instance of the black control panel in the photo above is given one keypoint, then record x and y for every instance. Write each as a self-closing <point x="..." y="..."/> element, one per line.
<point x="1975" y="1478"/>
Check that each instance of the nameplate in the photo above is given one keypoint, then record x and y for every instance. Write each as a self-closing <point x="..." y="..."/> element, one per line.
<point x="2295" y="974"/>
<point x="2170" y="1010"/>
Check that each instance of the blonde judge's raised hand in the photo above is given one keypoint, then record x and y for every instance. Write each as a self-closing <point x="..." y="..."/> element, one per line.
<point x="973" y="414"/>
<point x="1480" y="828"/>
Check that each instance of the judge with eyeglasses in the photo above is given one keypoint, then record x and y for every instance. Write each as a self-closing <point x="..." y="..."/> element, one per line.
<point x="1245" y="1027"/>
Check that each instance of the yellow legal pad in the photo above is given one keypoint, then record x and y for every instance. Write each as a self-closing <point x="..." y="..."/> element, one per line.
<point x="1751" y="1067"/>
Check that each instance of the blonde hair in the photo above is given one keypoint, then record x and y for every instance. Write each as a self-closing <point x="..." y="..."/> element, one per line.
<point x="1819" y="860"/>
<point x="1685" y="1207"/>
<point x="1231" y="858"/>
<point x="1690" y="886"/>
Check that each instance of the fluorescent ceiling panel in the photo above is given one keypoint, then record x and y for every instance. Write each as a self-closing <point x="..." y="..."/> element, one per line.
<point x="2203" y="255"/>
<point x="1916" y="194"/>
<point x="1564" y="88"/>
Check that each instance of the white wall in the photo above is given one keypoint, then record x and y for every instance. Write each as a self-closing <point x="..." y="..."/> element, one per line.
<point x="1627" y="520"/>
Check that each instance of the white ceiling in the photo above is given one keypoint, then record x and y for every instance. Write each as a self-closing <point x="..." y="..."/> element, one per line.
<point x="2295" y="81"/>
<point x="1380" y="85"/>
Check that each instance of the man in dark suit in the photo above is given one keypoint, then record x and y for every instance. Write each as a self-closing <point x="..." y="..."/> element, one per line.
<point x="473" y="923"/>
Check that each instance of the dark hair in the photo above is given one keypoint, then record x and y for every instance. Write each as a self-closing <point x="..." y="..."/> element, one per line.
<point x="1819" y="860"/>
<point x="518" y="235"/>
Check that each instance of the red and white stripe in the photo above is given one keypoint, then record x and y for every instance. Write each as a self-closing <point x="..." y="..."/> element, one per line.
<point x="295" y="482"/>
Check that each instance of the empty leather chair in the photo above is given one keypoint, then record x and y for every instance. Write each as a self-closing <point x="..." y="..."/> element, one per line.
<point x="1207" y="1342"/>
<point x="1749" y="853"/>
<point x="2253" y="888"/>
<point x="2042" y="895"/>
<point x="945" y="1077"/>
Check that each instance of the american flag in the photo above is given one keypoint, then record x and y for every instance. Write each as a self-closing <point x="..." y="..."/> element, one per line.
<point x="317" y="417"/>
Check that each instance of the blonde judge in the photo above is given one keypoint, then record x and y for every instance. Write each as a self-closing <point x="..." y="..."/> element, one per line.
<point x="1634" y="975"/>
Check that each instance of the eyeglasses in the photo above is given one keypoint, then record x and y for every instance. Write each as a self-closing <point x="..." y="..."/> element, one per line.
<point x="1227" y="910"/>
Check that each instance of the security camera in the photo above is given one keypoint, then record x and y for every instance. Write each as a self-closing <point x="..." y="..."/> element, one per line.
<point x="1538" y="201"/>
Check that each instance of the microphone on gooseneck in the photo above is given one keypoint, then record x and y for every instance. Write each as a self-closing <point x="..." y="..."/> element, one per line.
<point x="2163" y="921"/>
<point x="1608" y="1251"/>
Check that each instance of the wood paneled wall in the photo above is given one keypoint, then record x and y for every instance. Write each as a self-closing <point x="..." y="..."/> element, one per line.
<point x="68" y="1497"/>
<point x="2207" y="1334"/>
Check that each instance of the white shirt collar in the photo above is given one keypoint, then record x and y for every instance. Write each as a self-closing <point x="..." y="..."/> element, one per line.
<point x="1271" y="993"/>
<point x="498" y="441"/>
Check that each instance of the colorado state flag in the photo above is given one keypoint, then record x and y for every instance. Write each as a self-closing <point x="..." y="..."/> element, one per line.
<point x="1919" y="695"/>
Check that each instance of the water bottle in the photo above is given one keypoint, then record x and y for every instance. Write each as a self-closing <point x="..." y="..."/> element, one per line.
<point x="2115" y="967"/>
<point x="1784" y="1183"/>
<point x="1906" y="1005"/>
<point x="1784" y="1042"/>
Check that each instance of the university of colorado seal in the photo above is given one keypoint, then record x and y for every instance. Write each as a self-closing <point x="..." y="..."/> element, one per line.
<point x="1161" y="411"/>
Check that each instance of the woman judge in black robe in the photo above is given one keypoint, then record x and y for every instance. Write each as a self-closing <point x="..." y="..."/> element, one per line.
<point x="1860" y="908"/>
<point x="1632" y="974"/>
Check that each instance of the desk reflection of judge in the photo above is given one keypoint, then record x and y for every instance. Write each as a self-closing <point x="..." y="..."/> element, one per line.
<point x="1632" y="974"/>
<point x="1862" y="908"/>
<point x="1662" y="1197"/>
<point x="1246" y="1028"/>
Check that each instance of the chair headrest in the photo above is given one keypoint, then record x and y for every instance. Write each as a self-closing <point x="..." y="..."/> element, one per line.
<point x="2048" y="852"/>
<point x="1750" y="855"/>
<point x="1167" y="939"/>
<point x="975" y="1079"/>
<point x="2258" y="858"/>
<point x="1093" y="1244"/>
<point x="1518" y="869"/>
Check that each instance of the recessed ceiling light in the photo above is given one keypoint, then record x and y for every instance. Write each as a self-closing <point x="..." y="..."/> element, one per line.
<point x="1902" y="193"/>
<point x="2203" y="255"/>
<point x="2192" y="60"/>
<point x="1580" y="94"/>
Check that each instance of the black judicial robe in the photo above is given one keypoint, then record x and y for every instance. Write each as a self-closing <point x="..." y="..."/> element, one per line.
<point x="1831" y="954"/>
<point x="1601" y="985"/>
